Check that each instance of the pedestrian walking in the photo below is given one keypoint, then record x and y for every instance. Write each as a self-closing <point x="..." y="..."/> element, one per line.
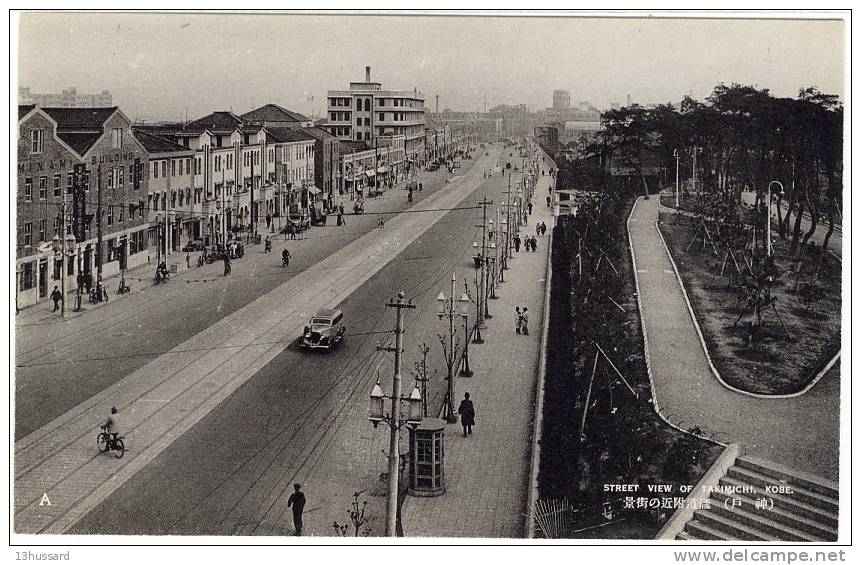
<point x="188" y="259"/>
<point x="226" y="265"/>
<point x="517" y="243"/>
<point x="538" y="228"/>
<point x="543" y="228"/>
<point x="518" y="322"/>
<point x="297" y="502"/>
<point x="524" y="321"/>
<point x="57" y="297"/>
<point x="548" y="202"/>
<point x="529" y="207"/>
<point x="381" y="223"/>
<point x="340" y="218"/>
<point x="467" y="414"/>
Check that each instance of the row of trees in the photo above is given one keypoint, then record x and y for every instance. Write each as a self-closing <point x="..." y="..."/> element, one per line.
<point x="741" y="138"/>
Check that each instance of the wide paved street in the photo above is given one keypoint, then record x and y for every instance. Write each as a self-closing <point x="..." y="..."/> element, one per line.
<point x="61" y="363"/>
<point x="199" y="465"/>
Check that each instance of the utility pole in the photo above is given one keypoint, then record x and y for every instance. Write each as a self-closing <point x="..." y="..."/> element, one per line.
<point x="693" y="169"/>
<point x="394" y="457"/>
<point x="485" y="313"/>
<point x="223" y="220"/>
<point x="63" y="258"/>
<point x="79" y="222"/>
<point x="253" y="211"/>
<point x="166" y="226"/>
<point x="676" y="155"/>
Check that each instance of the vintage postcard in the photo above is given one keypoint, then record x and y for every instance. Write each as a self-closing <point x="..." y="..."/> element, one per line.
<point x="470" y="277"/>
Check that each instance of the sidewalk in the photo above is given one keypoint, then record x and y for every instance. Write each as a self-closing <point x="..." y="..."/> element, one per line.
<point x="801" y="432"/>
<point x="487" y="473"/>
<point x="167" y="396"/>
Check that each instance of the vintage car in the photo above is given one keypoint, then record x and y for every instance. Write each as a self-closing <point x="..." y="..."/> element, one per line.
<point x="194" y="245"/>
<point x="325" y="329"/>
<point x="299" y="219"/>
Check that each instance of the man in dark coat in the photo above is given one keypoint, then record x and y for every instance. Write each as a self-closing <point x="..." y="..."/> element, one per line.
<point x="57" y="297"/>
<point x="297" y="501"/>
<point x="467" y="414"/>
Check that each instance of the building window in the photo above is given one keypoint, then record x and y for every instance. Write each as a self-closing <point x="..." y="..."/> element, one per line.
<point x="382" y="102"/>
<point x="173" y="167"/>
<point x="28" y="189"/>
<point x="180" y="167"/>
<point x="43" y="188"/>
<point x="155" y="169"/>
<point x="117" y="138"/>
<point x="358" y="105"/>
<point x="28" y="233"/>
<point x="120" y="173"/>
<point x="37" y="139"/>
<point x="197" y="165"/>
<point x="112" y="249"/>
<point x="43" y="227"/>
<point x="164" y="169"/>
<point x="188" y="165"/>
<point x="57" y="188"/>
<point x="111" y="173"/>
<point x="358" y="121"/>
<point x="367" y="104"/>
<point x="381" y="116"/>
<point x="367" y="121"/>
<point x="217" y="163"/>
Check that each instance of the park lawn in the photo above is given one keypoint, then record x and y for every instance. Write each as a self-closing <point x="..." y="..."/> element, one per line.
<point x="780" y="365"/>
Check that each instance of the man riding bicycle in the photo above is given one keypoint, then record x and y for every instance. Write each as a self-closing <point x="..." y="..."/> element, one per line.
<point x="112" y="424"/>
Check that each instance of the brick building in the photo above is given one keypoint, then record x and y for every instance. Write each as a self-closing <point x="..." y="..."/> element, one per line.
<point x="51" y="141"/>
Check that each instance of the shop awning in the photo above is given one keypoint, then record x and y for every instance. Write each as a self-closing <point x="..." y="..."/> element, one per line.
<point x="383" y="170"/>
<point x="369" y="174"/>
<point x="314" y="190"/>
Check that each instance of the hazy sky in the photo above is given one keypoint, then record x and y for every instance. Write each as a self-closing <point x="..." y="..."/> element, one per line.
<point x="158" y="66"/>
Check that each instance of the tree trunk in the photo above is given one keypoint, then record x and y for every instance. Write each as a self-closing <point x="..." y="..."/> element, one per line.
<point x="830" y="227"/>
<point x="796" y="230"/>
<point x="781" y="230"/>
<point x="814" y="219"/>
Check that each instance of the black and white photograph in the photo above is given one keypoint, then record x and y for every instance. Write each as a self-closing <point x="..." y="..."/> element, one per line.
<point x="348" y="277"/>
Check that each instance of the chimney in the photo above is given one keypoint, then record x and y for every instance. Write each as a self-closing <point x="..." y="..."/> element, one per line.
<point x="436" y="109"/>
<point x="368" y="73"/>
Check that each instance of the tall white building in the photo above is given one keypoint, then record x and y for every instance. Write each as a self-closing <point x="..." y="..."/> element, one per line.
<point x="368" y="113"/>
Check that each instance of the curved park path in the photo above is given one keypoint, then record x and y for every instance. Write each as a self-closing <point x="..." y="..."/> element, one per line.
<point x="801" y="432"/>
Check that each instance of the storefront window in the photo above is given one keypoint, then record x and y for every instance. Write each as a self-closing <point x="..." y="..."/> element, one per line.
<point x="27" y="276"/>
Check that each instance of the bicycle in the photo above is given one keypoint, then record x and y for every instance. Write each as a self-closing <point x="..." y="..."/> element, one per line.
<point x="107" y="442"/>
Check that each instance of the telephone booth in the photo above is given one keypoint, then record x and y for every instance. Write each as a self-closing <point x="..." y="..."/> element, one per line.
<point x="427" y="458"/>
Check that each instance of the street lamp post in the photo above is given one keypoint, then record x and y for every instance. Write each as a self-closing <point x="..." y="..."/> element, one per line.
<point x="464" y="313"/>
<point x="505" y="250"/>
<point x="395" y="419"/>
<point x="491" y="275"/>
<point x="768" y="213"/>
<point x="676" y="155"/>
